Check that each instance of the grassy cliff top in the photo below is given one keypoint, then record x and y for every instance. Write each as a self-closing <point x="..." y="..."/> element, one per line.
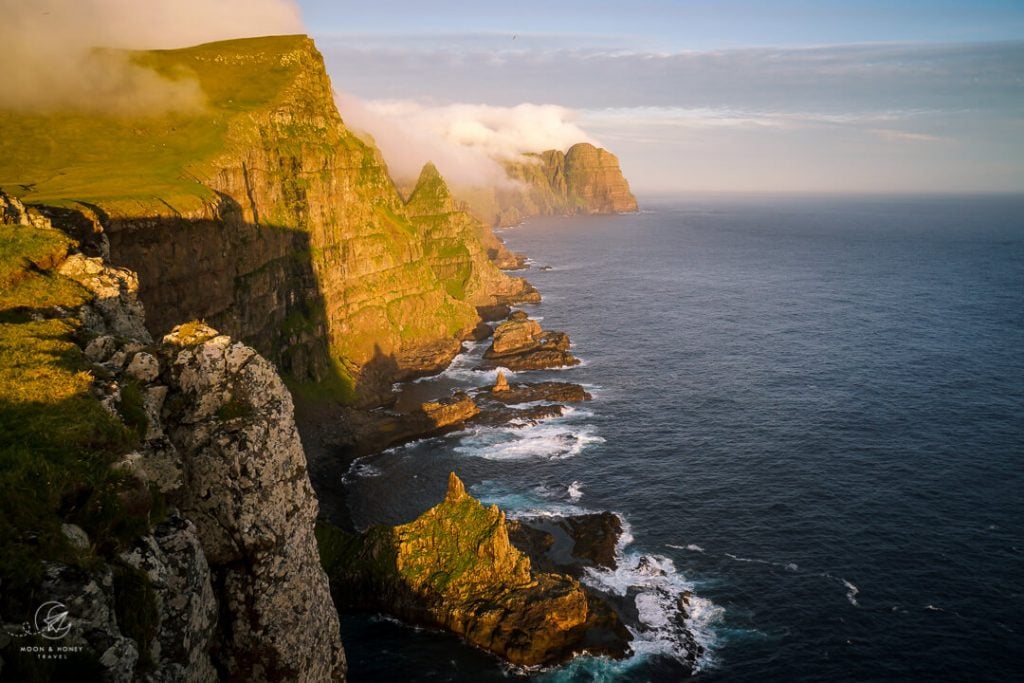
<point x="105" y="157"/>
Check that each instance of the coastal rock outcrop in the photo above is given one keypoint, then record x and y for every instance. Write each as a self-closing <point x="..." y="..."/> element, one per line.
<point x="560" y="392"/>
<point x="583" y="180"/>
<point x="569" y="544"/>
<point x="454" y="567"/>
<point x="247" y="489"/>
<point x="520" y="344"/>
<point x="453" y="411"/>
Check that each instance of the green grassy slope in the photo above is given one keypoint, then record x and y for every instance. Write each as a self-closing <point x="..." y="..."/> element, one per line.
<point x="56" y="440"/>
<point x="106" y="158"/>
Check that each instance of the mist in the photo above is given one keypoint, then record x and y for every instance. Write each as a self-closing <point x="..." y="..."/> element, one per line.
<point x="467" y="142"/>
<point x="51" y="60"/>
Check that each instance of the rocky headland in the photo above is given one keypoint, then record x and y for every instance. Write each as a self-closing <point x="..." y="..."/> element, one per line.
<point x="455" y="567"/>
<point x="186" y="549"/>
<point x="583" y="180"/>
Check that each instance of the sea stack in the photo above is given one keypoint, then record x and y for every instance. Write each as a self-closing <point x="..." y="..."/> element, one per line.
<point x="500" y="384"/>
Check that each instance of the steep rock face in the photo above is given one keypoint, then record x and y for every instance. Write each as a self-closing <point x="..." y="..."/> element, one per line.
<point x="454" y="249"/>
<point x="455" y="567"/>
<point x="247" y="489"/>
<point x="594" y="181"/>
<point x="584" y="180"/>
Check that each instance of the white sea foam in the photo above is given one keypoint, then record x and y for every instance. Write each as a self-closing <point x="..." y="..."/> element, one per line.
<point x="551" y="440"/>
<point x="464" y="367"/>
<point x="660" y="594"/>
<point x="851" y="592"/>
<point x="692" y="547"/>
<point x="542" y="501"/>
<point x="789" y="566"/>
<point x="575" y="491"/>
<point x="360" y="470"/>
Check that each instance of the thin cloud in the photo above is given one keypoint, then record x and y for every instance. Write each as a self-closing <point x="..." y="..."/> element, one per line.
<point x="904" y="135"/>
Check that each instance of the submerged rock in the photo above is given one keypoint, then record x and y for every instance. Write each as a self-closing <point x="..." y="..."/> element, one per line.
<point x="455" y="567"/>
<point x="503" y="416"/>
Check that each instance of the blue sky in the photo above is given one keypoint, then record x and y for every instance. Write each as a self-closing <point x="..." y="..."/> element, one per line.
<point x="791" y="95"/>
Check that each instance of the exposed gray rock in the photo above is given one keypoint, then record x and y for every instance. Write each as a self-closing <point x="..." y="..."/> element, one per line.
<point x="153" y="403"/>
<point x="116" y="309"/>
<point x="173" y="563"/>
<point x="247" y="489"/>
<point x="75" y="536"/>
<point x="101" y="348"/>
<point x="144" y="367"/>
<point x="89" y="599"/>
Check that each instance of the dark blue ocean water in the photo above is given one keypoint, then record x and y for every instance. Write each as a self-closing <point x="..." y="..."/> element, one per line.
<point x="808" y="411"/>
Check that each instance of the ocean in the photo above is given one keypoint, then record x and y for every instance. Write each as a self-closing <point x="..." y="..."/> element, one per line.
<point x="808" y="411"/>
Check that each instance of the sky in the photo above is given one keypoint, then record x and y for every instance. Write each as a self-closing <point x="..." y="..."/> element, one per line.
<point x="810" y="96"/>
<point x="782" y="96"/>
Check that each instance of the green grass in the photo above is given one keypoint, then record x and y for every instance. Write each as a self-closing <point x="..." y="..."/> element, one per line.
<point x="23" y="247"/>
<point x="121" y="162"/>
<point x="57" y="442"/>
<point x="57" y="446"/>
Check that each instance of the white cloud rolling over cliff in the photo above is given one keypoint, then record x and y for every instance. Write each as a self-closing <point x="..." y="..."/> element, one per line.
<point x="50" y="61"/>
<point x="466" y="142"/>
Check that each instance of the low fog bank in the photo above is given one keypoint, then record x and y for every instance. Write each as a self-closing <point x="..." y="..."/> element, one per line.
<point x="51" y="60"/>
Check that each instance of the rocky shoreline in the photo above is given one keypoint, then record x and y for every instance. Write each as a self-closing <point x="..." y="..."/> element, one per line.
<point x="534" y="565"/>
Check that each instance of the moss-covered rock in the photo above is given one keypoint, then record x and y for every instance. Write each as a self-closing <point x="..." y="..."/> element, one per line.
<point x="455" y="567"/>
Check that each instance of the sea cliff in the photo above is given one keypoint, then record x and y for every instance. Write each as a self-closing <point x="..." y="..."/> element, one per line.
<point x="170" y="282"/>
<point x="265" y="216"/>
<point x="583" y="180"/>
